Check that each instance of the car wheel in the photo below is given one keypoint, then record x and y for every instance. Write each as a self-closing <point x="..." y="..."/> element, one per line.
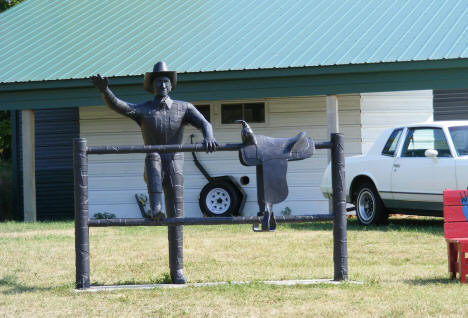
<point x="369" y="205"/>
<point x="219" y="198"/>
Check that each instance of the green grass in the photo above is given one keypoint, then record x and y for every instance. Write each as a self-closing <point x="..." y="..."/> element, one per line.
<point x="402" y="267"/>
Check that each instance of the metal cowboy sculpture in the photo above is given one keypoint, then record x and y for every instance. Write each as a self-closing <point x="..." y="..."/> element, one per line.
<point x="161" y="121"/>
<point x="270" y="156"/>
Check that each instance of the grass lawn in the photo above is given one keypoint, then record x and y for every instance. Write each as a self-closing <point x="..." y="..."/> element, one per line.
<point x="403" y="268"/>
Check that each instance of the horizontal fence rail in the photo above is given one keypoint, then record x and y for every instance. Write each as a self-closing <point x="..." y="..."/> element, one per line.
<point x="101" y="150"/>
<point x="208" y="221"/>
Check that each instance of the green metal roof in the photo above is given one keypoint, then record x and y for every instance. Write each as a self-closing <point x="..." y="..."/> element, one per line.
<point x="54" y="40"/>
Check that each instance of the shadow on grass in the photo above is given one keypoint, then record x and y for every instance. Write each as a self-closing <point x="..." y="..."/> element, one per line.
<point x="408" y="224"/>
<point x="164" y="278"/>
<point x="15" y="287"/>
<point x="432" y="281"/>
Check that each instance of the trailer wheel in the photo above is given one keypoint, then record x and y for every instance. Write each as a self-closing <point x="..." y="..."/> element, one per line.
<point x="219" y="198"/>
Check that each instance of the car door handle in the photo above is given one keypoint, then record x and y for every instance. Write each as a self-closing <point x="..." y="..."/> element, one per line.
<point x="396" y="165"/>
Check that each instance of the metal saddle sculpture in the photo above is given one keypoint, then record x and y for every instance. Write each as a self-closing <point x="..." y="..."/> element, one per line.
<point x="270" y="156"/>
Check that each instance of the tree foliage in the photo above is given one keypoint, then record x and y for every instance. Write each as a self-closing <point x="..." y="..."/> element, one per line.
<point x="5" y="136"/>
<point x="5" y="4"/>
<point x="5" y="126"/>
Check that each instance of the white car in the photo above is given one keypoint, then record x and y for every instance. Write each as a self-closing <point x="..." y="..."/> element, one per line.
<point x="406" y="171"/>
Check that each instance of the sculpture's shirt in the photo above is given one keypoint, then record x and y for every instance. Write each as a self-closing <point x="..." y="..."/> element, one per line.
<point x="162" y="123"/>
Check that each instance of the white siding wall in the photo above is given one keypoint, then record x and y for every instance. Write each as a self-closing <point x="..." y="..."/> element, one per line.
<point x="350" y="123"/>
<point x="114" y="179"/>
<point x="387" y="109"/>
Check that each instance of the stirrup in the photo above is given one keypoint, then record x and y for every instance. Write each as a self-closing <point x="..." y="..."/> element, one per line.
<point x="268" y="222"/>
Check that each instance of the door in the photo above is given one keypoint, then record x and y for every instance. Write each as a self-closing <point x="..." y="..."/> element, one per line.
<point x="417" y="180"/>
<point x="459" y="136"/>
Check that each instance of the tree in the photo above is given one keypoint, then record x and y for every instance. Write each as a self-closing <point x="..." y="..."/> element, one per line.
<point x="5" y="4"/>
<point x="6" y="188"/>
<point x="5" y="127"/>
<point x="5" y="136"/>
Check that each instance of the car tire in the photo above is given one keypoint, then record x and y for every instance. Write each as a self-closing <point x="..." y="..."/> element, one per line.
<point x="369" y="206"/>
<point x="219" y="198"/>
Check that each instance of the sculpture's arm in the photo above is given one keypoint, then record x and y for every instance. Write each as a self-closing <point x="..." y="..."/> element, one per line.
<point x="114" y="103"/>
<point x="194" y="117"/>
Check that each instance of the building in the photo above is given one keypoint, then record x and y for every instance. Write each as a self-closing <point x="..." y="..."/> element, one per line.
<point x="314" y="66"/>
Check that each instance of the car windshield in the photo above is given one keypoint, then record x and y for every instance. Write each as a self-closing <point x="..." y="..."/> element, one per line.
<point x="460" y="139"/>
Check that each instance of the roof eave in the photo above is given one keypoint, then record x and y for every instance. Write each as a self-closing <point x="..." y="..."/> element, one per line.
<point x="250" y="74"/>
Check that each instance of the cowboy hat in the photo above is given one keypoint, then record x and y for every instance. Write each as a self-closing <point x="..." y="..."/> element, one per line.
<point x="159" y="69"/>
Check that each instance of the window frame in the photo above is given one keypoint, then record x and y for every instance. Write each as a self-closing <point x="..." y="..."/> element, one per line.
<point x="400" y="138"/>
<point x="243" y="104"/>
<point x="454" y="147"/>
<point x="218" y="112"/>
<point x="410" y="131"/>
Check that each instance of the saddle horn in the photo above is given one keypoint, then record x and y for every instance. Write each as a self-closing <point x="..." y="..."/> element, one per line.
<point x="247" y="134"/>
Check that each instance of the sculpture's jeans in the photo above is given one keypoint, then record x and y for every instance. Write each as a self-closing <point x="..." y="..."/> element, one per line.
<point x="166" y="172"/>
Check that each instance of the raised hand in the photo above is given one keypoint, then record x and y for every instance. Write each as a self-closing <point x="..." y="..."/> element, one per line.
<point x="99" y="82"/>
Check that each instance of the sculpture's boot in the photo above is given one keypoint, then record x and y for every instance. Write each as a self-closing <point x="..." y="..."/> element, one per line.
<point x="155" y="206"/>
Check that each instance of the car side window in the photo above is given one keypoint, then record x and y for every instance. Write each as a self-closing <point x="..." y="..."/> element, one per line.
<point x="460" y="139"/>
<point x="418" y="140"/>
<point x="392" y="142"/>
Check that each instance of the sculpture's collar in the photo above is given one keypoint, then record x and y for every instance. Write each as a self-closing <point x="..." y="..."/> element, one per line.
<point x="165" y="102"/>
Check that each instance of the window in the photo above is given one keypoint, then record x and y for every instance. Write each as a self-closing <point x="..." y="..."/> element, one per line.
<point x="205" y="111"/>
<point x="392" y="142"/>
<point x="250" y="112"/>
<point x="419" y="140"/>
<point x="460" y="139"/>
